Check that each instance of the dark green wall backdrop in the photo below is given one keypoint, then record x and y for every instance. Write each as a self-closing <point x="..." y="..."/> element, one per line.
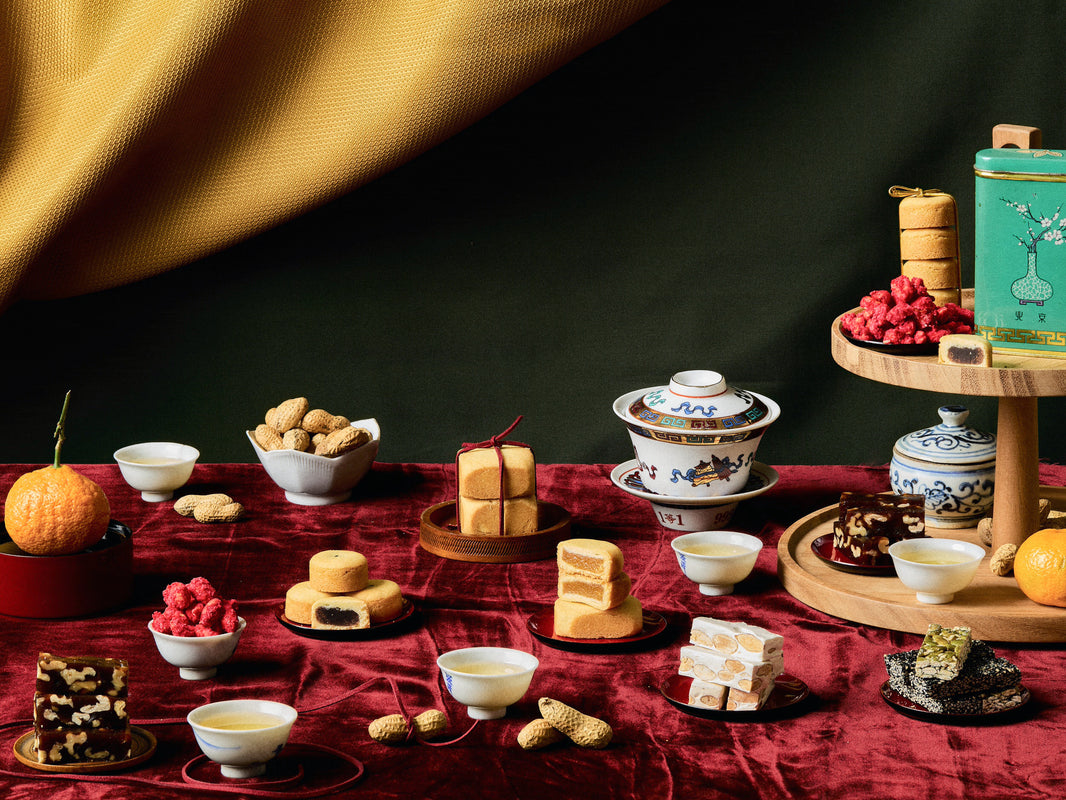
<point x="703" y="191"/>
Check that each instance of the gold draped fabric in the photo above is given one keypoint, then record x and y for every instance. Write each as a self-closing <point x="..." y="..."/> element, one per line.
<point x="138" y="135"/>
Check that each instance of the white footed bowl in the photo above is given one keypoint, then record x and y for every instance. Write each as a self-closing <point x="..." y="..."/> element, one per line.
<point x="696" y="437"/>
<point x="487" y="679"/>
<point x="936" y="583"/>
<point x="310" y="480"/>
<point x="197" y="657"/>
<point x="156" y="469"/>
<point x="716" y="560"/>
<point x="242" y="752"/>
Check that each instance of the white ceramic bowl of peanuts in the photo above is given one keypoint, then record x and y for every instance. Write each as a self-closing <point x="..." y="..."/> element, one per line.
<point x="316" y="457"/>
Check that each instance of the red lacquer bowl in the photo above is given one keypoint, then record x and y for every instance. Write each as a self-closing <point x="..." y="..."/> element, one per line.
<point x="79" y="585"/>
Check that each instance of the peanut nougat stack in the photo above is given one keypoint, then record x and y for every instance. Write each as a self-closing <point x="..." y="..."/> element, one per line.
<point x="733" y="665"/>
<point x="79" y="710"/>
<point x="594" y="600"/>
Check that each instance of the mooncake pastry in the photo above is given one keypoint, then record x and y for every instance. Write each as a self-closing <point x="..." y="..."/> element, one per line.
<point x="338" y="571"/>
<point x="928" y="211"/>
<point x="927" y="243"/>
<point x="966" y="349"/>
<point x="479" y="472"/>
<point x="482" y="517"/>
<point x="581" y="621"/>
<point x="340" y="613"/>
<point x="592" y="591"/>
<point x="383" y="599"/>
<point x="592" y="557"/>
<point x="298" y="602"/>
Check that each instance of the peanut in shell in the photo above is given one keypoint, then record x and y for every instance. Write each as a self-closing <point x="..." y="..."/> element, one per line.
<point x="582" y="729"/>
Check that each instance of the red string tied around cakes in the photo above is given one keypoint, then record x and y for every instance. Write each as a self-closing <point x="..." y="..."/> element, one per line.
<point x="496" y="442"/>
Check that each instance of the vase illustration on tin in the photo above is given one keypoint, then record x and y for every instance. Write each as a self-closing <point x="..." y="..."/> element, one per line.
<point x="1031" y="288"/>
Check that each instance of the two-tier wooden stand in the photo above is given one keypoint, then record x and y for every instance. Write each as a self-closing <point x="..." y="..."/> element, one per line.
<point x="993" y="607"/>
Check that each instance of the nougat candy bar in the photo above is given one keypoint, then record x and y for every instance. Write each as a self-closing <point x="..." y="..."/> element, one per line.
<point x="707" y="695"/>
<point x="479" y="472"/>
<point x="482" y="517"/>
<point x="739" y="700"/>
<point x="592" y="591"/>
<point x="943" y="652"/>
<point x="869" y="523"/>
<point x="592" y="557"/>
<point x="82" y="675"/>
<point x="79" y="746"/>
<point x="749" y="676"/>
<point x="738" y="639"/>
<point x="94" y="711"/>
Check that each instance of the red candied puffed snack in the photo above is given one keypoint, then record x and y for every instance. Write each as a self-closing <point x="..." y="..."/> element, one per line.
<point x="905" y="314"/>
<point x="195" y="609"/>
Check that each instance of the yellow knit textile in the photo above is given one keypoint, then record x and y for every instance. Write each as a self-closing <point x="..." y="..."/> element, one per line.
<point x="138" y="135"/>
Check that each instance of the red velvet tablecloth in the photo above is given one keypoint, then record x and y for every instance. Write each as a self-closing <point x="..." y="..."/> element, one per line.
<point x="844" y="742"/>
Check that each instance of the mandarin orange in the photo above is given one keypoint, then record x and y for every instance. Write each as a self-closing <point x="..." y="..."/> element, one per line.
<point x="56" y="510"/>
<point x="1040" y="567"/>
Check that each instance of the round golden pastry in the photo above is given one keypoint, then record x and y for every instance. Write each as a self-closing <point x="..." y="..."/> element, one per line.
<point x="928" y="211"/>
<point x="298" y="602"/>
<point x="944" y="296"/>
<point x="382" y="597"/>
<point x="925" y="243"/>
<point x="338" y="571"/>
<point x="936" y="273"/>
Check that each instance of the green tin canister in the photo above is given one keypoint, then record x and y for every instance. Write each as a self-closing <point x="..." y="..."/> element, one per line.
<point x="1020" y="250"/>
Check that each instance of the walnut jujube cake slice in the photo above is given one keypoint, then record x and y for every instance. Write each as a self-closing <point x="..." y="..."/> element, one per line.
<point x="80" y="709"/>
<point x="869" y="523"/>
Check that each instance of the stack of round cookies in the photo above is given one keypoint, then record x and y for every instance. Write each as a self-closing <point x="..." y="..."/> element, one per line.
<point x="340" y="594"/>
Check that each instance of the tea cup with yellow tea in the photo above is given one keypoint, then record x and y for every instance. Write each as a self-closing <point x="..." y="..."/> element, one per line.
<point x="716" y="560"/>
<point x="156" y="469"/>
<point x="242" y="735"/>
<point x="487" y="679"/>
<point x="936" y="569"/>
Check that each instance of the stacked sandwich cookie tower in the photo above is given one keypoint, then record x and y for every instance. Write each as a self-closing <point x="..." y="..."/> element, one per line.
<point x="594" y="600"/>
<point x="929" y="244"/>
<point x="79" y="710"/>
<point x="951" y="673"/>
<point x="733" y="665"/>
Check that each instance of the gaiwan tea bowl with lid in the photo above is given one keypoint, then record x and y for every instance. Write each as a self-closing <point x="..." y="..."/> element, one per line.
<point x="953" y="465"/>
<point x="696" y="436"/>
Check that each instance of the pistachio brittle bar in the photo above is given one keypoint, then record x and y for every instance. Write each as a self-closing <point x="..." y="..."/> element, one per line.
<point x="943" y="653"/>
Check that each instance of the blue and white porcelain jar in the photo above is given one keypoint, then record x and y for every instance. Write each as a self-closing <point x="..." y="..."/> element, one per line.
<point x="952" y="465"/>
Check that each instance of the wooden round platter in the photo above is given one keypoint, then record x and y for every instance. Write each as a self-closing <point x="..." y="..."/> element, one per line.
<point x="992" y="607"/>
<point x="439" y="534"/>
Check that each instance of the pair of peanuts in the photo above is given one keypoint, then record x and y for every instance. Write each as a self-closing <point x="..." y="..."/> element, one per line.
<point x="209" y="507"/>
<point x="559" y="721"/>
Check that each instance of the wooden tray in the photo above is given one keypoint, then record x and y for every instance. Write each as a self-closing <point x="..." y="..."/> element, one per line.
<point x="993" y="608"/>
<point x="439" y="535"/>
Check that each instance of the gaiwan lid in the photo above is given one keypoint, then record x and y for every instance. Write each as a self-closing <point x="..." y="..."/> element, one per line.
<point x="697" y="399"/>
<point x="950" y="442"/>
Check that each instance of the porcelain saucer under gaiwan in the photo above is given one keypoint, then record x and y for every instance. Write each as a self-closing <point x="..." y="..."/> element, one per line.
<point x="697" y="436"/>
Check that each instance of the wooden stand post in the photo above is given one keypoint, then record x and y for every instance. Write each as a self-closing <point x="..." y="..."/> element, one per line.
<point x="1015" y="509"/>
